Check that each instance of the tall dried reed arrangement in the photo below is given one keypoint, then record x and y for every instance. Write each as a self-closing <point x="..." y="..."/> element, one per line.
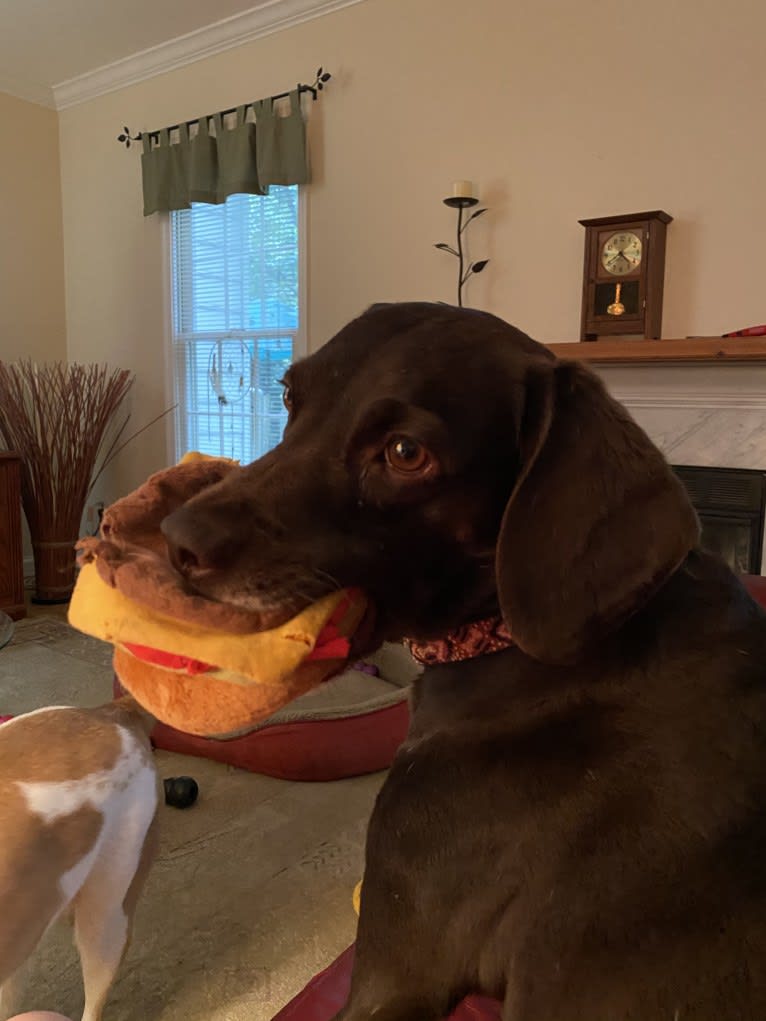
<point x="56" y="416"/>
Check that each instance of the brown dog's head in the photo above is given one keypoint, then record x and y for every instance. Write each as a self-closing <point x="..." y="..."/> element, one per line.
<point x="449" y="466"/>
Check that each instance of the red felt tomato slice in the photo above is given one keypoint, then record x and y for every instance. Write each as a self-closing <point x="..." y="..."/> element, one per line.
<point x="167" y="659"/>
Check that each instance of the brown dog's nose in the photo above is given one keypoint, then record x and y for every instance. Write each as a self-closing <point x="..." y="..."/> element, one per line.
<point x="200" y="542"/>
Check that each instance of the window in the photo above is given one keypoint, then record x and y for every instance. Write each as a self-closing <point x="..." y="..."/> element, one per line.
<point x="236" y="321"/>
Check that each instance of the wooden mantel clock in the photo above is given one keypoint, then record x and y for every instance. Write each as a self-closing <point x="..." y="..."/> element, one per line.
<point x="624" y="275"/>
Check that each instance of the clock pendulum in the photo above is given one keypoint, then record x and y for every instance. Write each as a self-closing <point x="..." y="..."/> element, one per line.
<point x="616" y="308"/>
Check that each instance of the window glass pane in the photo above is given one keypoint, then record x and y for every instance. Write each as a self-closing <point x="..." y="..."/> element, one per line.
<point x="235" y="317"/>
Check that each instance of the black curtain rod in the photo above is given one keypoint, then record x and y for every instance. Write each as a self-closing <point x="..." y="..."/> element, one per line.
<point x="320" y="79"/>
<point x="233" y="109"/>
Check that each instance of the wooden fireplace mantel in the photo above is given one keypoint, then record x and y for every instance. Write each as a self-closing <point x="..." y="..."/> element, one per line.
<point x="691" y="349"/>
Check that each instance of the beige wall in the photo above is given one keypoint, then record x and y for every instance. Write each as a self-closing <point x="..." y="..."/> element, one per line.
<point x="558" y="110"/>
<point x="31" y="248"/>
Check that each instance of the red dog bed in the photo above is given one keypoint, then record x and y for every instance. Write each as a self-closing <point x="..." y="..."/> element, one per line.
<point x="349" y="725"/>
<point x="306" y="749"/>
<point x="328" y="991"/>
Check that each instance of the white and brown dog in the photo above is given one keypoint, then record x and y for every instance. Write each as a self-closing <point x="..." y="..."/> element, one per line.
<point x="78" y="802"/>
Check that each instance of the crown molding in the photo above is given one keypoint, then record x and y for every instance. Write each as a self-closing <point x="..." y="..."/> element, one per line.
<point x="692" y="400"/>
<point x="42" y="95"/>
<point x="274" y="16"/>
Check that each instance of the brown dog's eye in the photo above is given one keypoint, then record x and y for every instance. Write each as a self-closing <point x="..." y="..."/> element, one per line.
<point x="407" y="456"/>
<point x="287" y="397"/>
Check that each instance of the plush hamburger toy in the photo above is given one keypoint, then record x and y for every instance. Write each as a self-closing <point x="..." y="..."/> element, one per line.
<point x="200" y="666"/>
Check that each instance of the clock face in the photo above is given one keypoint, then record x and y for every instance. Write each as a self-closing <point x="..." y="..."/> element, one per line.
<point x="621" y="253"/>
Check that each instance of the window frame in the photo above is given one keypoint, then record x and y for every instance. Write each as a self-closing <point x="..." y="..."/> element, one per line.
<point x="174" y="425"/>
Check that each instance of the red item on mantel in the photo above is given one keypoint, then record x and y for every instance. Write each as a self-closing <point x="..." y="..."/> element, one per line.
<point x="749" y="331"/>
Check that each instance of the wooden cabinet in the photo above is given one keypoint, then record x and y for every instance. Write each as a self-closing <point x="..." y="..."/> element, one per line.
<point x="11" y="557"/>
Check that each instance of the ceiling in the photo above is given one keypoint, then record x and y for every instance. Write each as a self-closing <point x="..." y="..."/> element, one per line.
<point x="44" y="43"/>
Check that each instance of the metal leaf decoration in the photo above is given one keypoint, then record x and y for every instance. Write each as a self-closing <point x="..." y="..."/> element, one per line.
<point x="463" y="273"/>
<point x="126" y="138"/>
<point x="320" y="79"/>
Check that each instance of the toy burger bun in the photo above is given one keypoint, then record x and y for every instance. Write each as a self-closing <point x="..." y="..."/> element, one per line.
<point x="200" y="666"/>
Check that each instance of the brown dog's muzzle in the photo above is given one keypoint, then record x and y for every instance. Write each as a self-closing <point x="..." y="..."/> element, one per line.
<point x="202" y="539"/>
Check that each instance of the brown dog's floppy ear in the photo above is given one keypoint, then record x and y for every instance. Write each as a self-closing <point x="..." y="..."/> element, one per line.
<point x="597" y="520"/>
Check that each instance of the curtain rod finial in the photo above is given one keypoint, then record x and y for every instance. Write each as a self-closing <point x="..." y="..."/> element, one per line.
<point x="126" y="138"/>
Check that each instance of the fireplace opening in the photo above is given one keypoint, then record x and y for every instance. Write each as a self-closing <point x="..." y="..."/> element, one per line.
<point x="731" y="503"/>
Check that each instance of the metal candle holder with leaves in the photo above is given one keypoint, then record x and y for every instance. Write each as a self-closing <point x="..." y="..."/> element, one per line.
<point x="460" y="203"/>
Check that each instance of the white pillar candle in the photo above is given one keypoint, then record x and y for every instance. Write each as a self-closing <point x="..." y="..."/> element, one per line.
<point x="462" y="190"/>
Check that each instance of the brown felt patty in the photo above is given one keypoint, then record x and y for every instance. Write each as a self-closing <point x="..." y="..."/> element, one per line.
<point x="131" y="554"/>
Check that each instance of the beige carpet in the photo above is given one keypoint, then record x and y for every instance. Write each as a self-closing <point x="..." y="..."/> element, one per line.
<point x="251" y="894"/>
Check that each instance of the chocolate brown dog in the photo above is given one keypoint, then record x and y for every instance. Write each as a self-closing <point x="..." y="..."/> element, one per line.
<point x="576" y="822"/>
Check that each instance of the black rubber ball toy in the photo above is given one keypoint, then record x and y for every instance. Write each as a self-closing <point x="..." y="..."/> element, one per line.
<point x="181" y="791"/>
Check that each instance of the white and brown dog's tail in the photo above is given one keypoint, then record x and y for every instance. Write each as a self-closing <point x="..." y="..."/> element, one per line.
<point x="79" y="794"/>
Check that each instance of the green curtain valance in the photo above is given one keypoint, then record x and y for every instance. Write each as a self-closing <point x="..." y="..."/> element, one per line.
<point x="222" y="160"/>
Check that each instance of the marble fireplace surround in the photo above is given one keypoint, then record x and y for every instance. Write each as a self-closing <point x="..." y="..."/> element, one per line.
<point x="703" y="414"/>
<point x="710" y="415"/>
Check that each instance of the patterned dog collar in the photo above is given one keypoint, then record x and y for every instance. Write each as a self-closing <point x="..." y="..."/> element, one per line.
<point x="466" y="642"/>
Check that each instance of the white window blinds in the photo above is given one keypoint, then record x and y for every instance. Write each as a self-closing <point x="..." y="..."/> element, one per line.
<point x="236" y="316"/>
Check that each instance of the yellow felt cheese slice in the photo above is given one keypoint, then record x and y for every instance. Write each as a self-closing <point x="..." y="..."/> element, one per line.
<point x="264" y="656"/>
